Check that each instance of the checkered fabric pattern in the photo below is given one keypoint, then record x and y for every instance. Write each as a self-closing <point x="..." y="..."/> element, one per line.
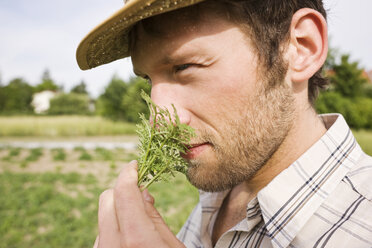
<point x="324" y="199"/>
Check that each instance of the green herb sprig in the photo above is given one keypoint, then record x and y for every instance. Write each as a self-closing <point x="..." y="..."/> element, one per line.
<point x="161" y="143"/>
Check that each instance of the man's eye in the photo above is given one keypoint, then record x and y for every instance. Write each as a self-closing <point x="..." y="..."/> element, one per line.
<point x="182" y="67"/>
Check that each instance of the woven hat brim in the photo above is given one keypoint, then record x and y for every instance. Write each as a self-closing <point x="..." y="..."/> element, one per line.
<point x="109" y="40"/>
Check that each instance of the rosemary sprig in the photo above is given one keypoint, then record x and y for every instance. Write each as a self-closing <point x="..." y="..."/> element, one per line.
<point x="161" y="143"/>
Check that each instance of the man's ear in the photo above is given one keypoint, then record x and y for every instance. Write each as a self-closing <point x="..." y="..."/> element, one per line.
<point x="308" y="44"/>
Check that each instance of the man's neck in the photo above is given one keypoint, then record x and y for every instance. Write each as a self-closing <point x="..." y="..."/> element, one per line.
<point x="306" y="131"/>
<point x="232" y="211"/>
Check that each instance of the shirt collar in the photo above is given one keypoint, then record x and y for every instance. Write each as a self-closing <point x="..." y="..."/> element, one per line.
<point x="293" y="196"/>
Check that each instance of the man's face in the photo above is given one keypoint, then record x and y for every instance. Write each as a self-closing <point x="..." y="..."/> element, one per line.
<point x="209" y="71"/>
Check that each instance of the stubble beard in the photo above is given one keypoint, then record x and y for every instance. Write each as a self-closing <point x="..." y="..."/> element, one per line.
<point x="248" y="143"/>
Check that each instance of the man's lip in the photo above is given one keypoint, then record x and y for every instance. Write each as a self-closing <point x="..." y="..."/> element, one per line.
<point x="194" y="150"/>
<point x="196" y="145"/>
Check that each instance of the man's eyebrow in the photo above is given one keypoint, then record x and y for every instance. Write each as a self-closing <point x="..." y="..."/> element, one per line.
<point x="167" y="60"/>
<point x="180" y="56"/>
<point x="171" y="60"/>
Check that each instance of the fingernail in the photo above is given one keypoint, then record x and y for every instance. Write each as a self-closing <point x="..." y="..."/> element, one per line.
<point x="147" y="196"/>
<point x="133" y="163"/>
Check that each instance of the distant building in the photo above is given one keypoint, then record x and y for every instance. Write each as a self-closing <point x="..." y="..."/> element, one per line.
<point x="41" y="101"/>
<point x="92" y="105"/>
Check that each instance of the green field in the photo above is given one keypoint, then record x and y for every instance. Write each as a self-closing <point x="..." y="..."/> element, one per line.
<point x="62" y="126"/>
<point x="49" y="197"/>
<point x="60" y="210"/>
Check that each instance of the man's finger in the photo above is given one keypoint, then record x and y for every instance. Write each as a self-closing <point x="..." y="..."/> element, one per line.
<point x="158" y="221"/>
<point x="107" y="222"/>
<point x="136" y="228"/>
<point x="151" y="211"/>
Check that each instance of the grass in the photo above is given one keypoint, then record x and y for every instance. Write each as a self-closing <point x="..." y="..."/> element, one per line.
<point x="364" y="138"/>
<point x="57" y="208"/>
<point x="84" y="154"/>
<point x="60" y="210"/>
<point x="47" y="210"/>
<point x="12" y="153"/>
<point x="62" y="126"/>
<point x="113" y="166"/>
<point x="103" y="154"/>
<point x="59" y="154"/>
<point x="34" y="155"/>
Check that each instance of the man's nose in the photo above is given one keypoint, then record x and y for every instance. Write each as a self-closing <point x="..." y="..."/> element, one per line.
<point x="165" y="95"/>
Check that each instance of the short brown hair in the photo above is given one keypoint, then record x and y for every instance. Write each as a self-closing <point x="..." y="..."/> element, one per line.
<point x="268" y="22"/>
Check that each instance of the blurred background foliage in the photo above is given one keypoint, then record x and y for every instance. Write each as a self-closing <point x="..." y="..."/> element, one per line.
<point x="119" y="101"/>
<point x="349" y="91"/>
<point x="69" y="104"/>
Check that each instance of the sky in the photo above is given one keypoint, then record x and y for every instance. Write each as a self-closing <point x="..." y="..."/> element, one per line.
<point x="42" y="34"/>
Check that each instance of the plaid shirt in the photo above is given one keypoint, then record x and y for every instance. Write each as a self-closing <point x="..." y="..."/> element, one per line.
<point x="324" y="199"/>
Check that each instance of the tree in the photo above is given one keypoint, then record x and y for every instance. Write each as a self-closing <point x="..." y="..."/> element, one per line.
<point x="347" y="78"/>
<point x="332" y="56"/>
<point x="2" y="98"/>
<point x="132" y="102"/>
<point x="348" y="94"/>
<point x="69" y="104"/>
<point x="17" y="97"/>
<point x="47" y="83"/>
<point x="80" y="88"/>
<point x="109" y="103"/>
<point x="367" y="90"/>
<point x="122" y="101"/>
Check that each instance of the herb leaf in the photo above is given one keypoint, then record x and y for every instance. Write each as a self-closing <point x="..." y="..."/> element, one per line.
<point x="161" y="143"/>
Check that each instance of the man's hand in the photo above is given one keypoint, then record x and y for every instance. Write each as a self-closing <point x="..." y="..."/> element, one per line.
<point x="127" y="218"/>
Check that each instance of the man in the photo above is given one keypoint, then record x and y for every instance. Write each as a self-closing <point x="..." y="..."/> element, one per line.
<point x="244" y="74"/>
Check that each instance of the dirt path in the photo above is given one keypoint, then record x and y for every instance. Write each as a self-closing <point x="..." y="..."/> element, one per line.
<point x="106" y="142"/>
<point x="76" y="160"/>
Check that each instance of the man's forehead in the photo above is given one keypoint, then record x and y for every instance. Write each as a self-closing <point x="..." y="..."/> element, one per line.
<point x="185" y="19"/>
<point x="173" y="34"/>
<point x="177" y="46"/>
<point x="172" y="23"/>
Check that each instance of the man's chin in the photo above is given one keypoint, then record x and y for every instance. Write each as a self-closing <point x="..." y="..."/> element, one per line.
<point x="208" y="180"/>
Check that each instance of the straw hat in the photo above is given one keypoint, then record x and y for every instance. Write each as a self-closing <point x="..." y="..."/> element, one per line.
<point x="109" y="40"/>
